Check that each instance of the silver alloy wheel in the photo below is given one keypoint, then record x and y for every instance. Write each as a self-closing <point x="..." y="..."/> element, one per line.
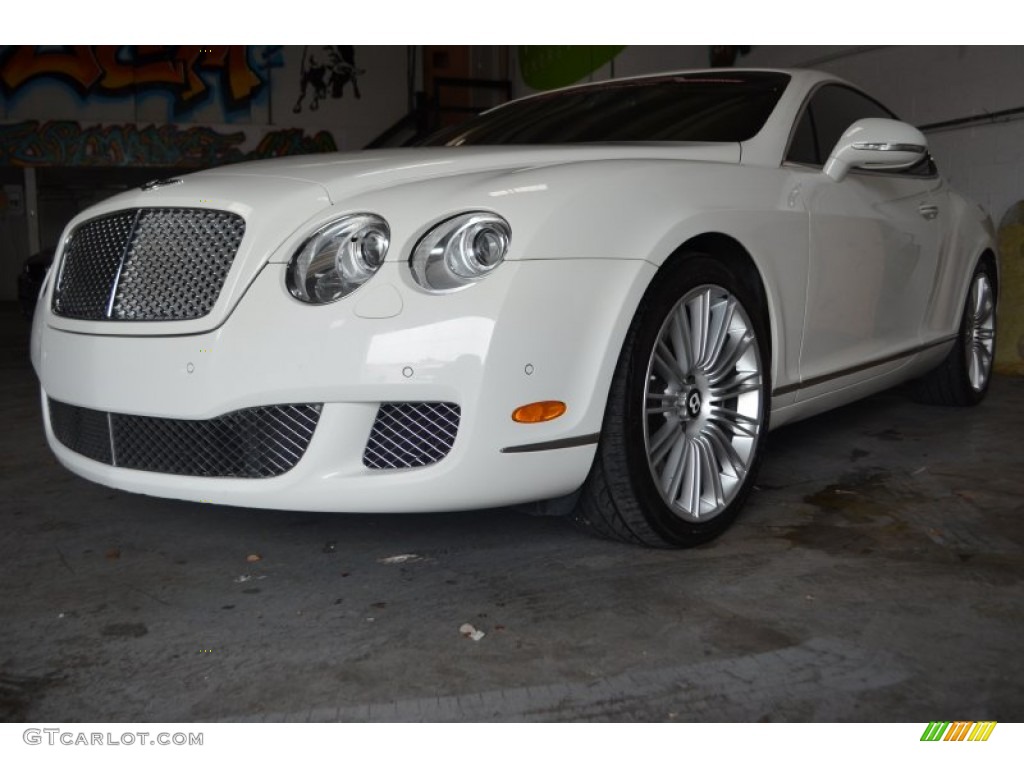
<point x="703" y="403"/>
<point x="980" y="331"/>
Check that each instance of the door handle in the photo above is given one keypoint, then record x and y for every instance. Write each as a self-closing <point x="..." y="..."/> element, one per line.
<point x="928" y="211"/>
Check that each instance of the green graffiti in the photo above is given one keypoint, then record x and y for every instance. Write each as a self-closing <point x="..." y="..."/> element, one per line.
<point x="554" y="66"/>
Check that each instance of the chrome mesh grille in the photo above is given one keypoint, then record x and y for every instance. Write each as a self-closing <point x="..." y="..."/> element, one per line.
<point x="83" y="430"/>
<point x="148" y="264"/>
<point x="265" y="441"/>
<point x="92" y="259"/>
<point x="177" y="263"/>
<point x="411" y="435"/>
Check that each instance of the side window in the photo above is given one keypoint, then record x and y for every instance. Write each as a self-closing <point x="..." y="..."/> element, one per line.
<point x="832" y="110"/>
<point x="835" y="108"/>
<point x="804" y="147"/>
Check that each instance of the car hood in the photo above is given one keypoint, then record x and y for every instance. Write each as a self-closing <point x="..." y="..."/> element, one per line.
<point x="283" y="199"/>
<point x="346" y="175"/>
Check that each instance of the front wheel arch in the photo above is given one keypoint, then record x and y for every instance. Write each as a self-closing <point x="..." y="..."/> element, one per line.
<point x="730" y="250"/>
<point x="621" y="499"/>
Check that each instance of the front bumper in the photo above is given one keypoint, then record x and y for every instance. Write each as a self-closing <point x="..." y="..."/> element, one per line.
<point x="535" y="330"/>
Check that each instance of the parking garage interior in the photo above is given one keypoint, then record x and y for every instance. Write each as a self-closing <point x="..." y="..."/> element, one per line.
<point x="875" y="574"/>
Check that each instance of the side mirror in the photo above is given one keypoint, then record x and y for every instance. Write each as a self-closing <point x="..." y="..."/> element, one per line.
<point x="876" y="142"/>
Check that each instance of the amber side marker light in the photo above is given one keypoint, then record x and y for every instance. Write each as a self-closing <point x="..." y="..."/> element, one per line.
<point x="534" y="413"/>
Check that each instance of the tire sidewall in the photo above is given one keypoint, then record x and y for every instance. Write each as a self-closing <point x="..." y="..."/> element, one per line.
<point x="671" y="284"/>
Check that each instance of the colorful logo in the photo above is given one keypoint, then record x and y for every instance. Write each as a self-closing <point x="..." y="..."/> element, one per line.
<point x="959" y="731"/>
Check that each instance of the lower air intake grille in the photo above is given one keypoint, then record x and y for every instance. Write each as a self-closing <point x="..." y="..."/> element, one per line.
<point x="82" y="430"/>
<point x="411" y="435"/>
<point x="254" y="442"/>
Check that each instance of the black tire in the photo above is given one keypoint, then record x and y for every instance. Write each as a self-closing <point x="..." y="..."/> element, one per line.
<point x="954" y="382"/>
<point x="621" y="499"/>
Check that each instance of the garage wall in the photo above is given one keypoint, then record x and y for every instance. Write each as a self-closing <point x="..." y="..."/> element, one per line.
<point x="192" y="105"/>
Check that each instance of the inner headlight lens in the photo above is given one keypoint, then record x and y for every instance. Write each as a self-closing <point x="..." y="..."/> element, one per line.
<point x="339" y="258"/>
<point x="460" y="251"/>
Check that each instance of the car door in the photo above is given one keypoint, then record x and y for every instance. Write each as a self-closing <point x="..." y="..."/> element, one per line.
<point x="873" y="251"/>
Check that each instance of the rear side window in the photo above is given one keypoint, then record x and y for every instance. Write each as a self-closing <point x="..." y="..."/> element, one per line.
<point x="832" y="110"/>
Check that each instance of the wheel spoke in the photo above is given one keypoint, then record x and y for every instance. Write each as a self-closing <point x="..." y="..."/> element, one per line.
<point x="723" y="448"/>
<point x="662" y="441"/>
<point x="699" y="319"/>
<point x="975" y="369"/>
<point x="703" y="403"/>
<point x="674" y="473"/>
<point x="739" y="385"/>
<point x="984" y="356"/>
<point x="982" y="306"/>
<point x="711" y="479"/>
<point x="691" y="489"/>
<point x="987" y="309"/>
<point x="667" y="366"/>
<point x="728" y="360"/>
<point x="734" y="421"/>
<point x="679" y="333"/>
<point x="721" y="319"/>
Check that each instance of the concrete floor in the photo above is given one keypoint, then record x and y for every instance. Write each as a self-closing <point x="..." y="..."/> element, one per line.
<point x="876" y="575"/>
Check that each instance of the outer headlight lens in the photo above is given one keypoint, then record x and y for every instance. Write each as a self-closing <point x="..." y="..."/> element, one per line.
<point x="339" y="258"/>
<point x="460" y="251"/>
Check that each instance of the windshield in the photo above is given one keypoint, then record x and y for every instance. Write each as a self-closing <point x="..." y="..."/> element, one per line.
<point x="708" y="106"/>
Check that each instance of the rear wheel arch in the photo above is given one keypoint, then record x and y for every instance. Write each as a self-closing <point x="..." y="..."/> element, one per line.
<point x="988" y="258"/>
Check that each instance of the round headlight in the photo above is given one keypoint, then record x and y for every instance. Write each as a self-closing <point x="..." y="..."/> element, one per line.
<point x="460" y="251"/>
<point x="339" y="258"/>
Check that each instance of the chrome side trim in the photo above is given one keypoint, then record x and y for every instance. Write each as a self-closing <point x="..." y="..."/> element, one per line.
<point x="861" y="367"/>
<point x="565" y="442"/>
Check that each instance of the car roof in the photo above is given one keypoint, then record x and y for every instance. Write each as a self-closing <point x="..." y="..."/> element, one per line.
<point x="798" y="76"/>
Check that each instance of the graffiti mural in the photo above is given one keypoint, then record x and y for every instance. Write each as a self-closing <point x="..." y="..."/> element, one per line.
<point x="118" y="105"/>
<point x="66" y="142"/>
<point x="326" y="70"/>
<point x="126" y="71"/>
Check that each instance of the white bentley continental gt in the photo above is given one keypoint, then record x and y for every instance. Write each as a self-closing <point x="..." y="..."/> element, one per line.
<point x="602" y="295"/>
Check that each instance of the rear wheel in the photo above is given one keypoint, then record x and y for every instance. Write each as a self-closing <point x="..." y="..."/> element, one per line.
<point x="963" y="377"/>
<point x="687" y="411"/>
